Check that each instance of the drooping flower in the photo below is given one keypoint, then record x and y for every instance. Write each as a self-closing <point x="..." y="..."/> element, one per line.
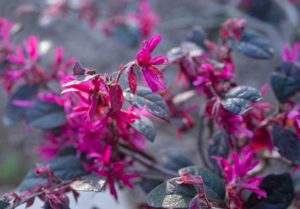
<point x="237" y="173"/>
<point x="148" y="64"/>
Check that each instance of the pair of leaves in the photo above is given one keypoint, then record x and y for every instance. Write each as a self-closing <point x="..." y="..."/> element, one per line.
<point x="255" y="46"/>
<point x="280" y="193"/>
<point x="288" y="144"/>
<point x="65" y="167"/>
<point x="173" y="195"/>
<point x="239" y="99"/>
<point x="285" y="81"/>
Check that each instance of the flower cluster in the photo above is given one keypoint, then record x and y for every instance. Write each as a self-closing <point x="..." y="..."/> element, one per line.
<point x="238" y="178"/>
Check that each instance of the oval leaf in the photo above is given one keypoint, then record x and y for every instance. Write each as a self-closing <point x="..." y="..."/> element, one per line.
<point x="285" y="81"/>
<point x="280" y="192"/>
<point x="46" y="115"/>
<point x="13" y="113"/>
<point x="64" y="167"/>
<point x="214" y="186"/>
<point x="153" y="103"/>
<point x="145" y="127"/>
<point x="171" y="195"/>
<point x="288" y="144"/>
<point x="90" y="183"/>
<point x="219" y="147"/>
<point x="238" y="100"/>
<point x="255" y="46"/>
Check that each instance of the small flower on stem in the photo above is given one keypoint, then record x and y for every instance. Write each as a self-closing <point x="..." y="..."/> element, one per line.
<point x="148" y="64"/>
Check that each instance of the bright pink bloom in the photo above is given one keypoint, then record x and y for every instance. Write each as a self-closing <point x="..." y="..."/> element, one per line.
<point x="148" y="64"/>
<point x="231" y="123"/>
<point x="238" y="179"/>
<point x="291" y="53"/>
<point x="113" y="171"/>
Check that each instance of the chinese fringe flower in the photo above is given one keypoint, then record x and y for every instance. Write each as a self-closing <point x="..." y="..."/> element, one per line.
<point x="148" y="64"/>
<point x="291" y="53"/>
<point x="238" y="179"/>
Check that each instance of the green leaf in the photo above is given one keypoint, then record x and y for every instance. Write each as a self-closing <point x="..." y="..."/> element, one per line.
<point x="145" y="127"/>
<point x="171" y="195"/>
<point x="288" y="143"/>
<point x="46" y="115"/>
<point x="3" y="204"/>
<point x="280" y="193"/>
<point x="214" y="186"/>
<point x="239" y="99"/>
<point x="285" y="81"/>
<point x="255" y="46"/>
<point x="152" y="102"/>
<point x="90" y="183"/>
<point x="64" y="167"/>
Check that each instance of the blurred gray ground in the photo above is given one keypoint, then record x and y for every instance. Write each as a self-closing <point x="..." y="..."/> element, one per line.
<point x="106" y="54"/>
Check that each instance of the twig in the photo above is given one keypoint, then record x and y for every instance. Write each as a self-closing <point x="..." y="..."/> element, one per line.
<point x="148" y="163"/>
<point x="63" y="184"/>
<point x="200" y="141"/>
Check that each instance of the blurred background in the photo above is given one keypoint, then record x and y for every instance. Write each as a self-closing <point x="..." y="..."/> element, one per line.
<point x="278" y="20"/>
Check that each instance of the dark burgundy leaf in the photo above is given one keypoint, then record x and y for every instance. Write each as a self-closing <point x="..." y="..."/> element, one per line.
<point x="64" y="167"/>
<point x="198" y="36"/>
<point x="219" y="147"/>
<point x="288" y="143"/>
<point x="265" y="10"/>
<point x="128" y="34"/>
<point x="214" y="186"/>
<point x="285" y="81"/>
<point x="46" y="115"/>
<point x="116" y="97"/>
<point x="4" y="205"/>
<point x="89" y="183"/>
<point x="198" y="203"/>
<point x="145" y="127"/>
<point x="238" y="100"/>
<point x="280" y="193"/>
<point x="13" y="113"/>
<point x="48" y="206"/>
<point x="255" y="46"/>
<point x="78" y="70"/>
<point x="148" y="100"/>
<point x="171" y="195"/>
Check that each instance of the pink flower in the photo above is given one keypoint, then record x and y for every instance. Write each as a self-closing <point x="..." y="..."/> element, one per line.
<point x="148" y="64"/>
<point x="25" y="65"/>
<point x="113" y="171"/>
<point x="146" y="18"/>
<point x="237" y="176"/>
<point x="291" y="53"/>
<point x="61" y="66"/>
<point x="231" y="123"/>
<point x="6" y="46"/>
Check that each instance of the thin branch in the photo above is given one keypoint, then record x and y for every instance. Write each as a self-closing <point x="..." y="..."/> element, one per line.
<point x="150" y="164"/>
